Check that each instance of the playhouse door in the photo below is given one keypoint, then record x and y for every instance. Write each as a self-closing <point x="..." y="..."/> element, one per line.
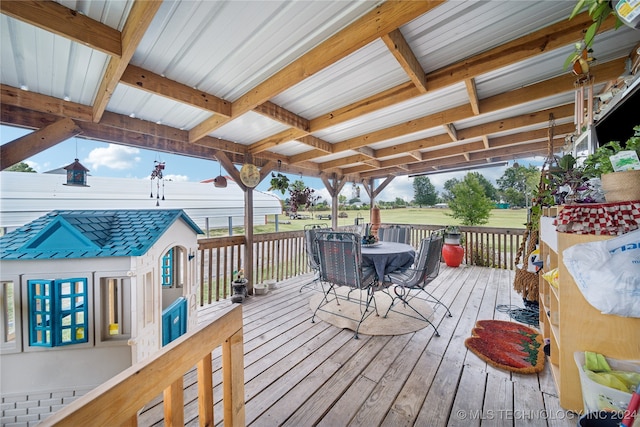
<point x="174" y="320"/>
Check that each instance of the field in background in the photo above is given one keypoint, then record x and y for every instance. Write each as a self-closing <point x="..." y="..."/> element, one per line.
<point x="508" y="218"/>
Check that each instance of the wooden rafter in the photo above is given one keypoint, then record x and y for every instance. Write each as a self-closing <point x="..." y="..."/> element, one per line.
<point x="384" y="19"/>
<point x="29" y="145"/>
<point x="150" y="82"/>
<point x="58" y="19"/>
<point x="473" y="95"/>
<point x="139" y="19"/>
<point x="401" y="50"/>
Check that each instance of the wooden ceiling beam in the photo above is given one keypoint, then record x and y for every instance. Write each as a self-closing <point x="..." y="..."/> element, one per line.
<point x="275" y="140"/>
<point x="356" y="158"/>
<point x="138" y="21"/>
<point x="516" y="122"/>
<point x="44" y="103"/>
<point x="415" y="154"/>
<point x="538" y="134"/>
<point x="68" y="23"/>
<point x="153" y="83"/>
<point x="451" y="130"/>
<point x="401" y="50"/>
<point x="282" y="115"/>
<point x="603" y="72"/>
<point x="317" y="143"/>
<point x="416" y="125"/>
<point x="29" y="145"/>
<point x="383" y="19"/>
<point x="473" y="95"/>
<point x="509" y="150"/>
<point x="307" y="155"/>
<point x="552" y="37"/>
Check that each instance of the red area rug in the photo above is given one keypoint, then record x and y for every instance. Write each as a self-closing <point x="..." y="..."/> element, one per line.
<point x="507" y="345"/>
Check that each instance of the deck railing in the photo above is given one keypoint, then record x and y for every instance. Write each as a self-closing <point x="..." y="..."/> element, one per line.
<point x="278" y="256"/>
<point x="117" y="401"/>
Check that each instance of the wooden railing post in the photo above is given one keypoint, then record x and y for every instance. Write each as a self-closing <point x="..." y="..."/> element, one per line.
<point x="205" y="391"/>
<point x="233" y="380"/>
<point x="174" y="404"/>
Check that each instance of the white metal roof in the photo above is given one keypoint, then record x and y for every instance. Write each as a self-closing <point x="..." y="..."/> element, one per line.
<point x="239" y="49"/>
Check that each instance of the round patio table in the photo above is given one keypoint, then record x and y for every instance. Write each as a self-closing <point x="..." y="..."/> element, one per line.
<point x="387" y="257"/>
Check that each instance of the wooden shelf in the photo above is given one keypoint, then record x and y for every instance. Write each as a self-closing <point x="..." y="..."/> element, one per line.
<point x="569" y="323"/>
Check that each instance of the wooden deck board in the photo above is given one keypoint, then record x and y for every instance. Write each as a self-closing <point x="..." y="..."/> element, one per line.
<point x="301" y="373"/>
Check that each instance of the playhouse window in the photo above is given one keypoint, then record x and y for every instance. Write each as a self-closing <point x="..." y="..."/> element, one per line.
<point x="172" y="268"/>
<point x="8" y="312"/>
<point x="58" y="312"/>
<point x="167" y="268"/>
<point x="116" y="309"/>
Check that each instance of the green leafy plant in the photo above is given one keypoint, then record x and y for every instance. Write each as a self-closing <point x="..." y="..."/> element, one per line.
<point x="279" y="182"/>
<point x="300" y="196"/>
<point x="599" y="162"/>
<point x="598" y="10"/>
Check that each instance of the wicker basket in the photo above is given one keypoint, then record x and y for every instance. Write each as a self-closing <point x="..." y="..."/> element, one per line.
<point x="621" y="186"/>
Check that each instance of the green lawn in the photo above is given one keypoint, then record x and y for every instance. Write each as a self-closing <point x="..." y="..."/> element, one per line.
<point x="508" y="218"/>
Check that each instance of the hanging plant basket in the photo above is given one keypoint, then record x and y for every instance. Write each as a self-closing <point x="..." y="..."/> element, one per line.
<point x="300" y="198"/>
<point x="279" y="182"/>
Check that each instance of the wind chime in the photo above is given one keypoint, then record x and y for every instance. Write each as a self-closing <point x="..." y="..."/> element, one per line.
<point x="156" y="173"/>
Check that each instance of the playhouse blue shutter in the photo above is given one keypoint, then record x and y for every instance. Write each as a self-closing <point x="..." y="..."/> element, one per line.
<point x="58" y="312"/>
<point x="71" y="311"/>
<point x="40" y="312"/>
<point x="167" y="268"/>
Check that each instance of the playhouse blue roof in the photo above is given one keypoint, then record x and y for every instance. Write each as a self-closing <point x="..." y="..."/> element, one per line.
<point x="90" y="233"/>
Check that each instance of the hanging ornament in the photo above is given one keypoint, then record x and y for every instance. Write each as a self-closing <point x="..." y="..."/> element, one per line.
<point x="156" y="173"/>
<point x="76" y="173"/>
<point x="220" y="181"/>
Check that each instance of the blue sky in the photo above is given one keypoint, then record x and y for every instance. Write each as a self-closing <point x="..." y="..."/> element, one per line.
<point x="111" y="160"/>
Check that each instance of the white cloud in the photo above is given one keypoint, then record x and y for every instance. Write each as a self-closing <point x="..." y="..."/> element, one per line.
<point x="34" y="165"/>
<point x="113" y="156"/>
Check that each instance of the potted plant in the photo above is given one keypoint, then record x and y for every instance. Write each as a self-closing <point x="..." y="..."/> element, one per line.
<point x="452" y="235"/>
<point x="368" y="238"/>
<point x="300" y="195"/>
<point x="452" y="251"/>
<point x="598" y="10"/>
<point x="279" y="182"/>
<point x="618" y="168"/>
<point x="239" y="286"/>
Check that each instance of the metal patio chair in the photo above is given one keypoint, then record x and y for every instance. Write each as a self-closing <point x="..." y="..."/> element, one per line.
<point x="411" y="282"/>
<point x="340" y="261"/>
<point x="310" y="249"/>
<point x="395" y="233"/>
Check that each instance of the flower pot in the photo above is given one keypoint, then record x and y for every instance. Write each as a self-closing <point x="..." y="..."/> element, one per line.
<point x="452" y="254"/>
<point x="621" y="186"/>
<point x="452" y="239"/>
<point x="261" y="289"/>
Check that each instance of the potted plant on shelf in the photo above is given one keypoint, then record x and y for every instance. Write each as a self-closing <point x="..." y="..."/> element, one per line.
<point x="279" y="182"/>
<point x="618" y="168"/>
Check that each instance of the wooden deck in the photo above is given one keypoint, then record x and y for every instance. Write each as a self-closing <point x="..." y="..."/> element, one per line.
<point x="300" y="373"/>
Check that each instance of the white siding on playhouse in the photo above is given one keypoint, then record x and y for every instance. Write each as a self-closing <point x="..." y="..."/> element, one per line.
<point x="90" y="364"/>
<point x="27" y="196"/>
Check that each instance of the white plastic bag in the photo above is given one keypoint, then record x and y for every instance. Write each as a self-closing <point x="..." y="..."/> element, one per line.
<point x="608" y="273"/>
